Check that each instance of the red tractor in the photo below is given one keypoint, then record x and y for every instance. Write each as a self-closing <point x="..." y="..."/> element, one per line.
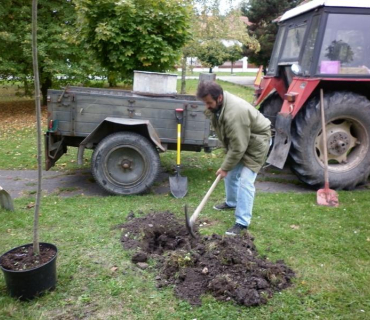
<point x="323" y="44"/>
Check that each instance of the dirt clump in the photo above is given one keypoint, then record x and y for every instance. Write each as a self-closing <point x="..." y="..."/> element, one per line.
<point x="227" y="267"/>
<point x="139" y="257"/>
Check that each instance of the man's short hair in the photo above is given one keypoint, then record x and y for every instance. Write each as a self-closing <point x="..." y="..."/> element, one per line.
<point x="211" y="88"/>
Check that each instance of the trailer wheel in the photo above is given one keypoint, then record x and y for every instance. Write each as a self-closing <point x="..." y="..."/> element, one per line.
<point x="271" y="106"/>
<point x="125" y="163"/>
<point x="347" y="117"/>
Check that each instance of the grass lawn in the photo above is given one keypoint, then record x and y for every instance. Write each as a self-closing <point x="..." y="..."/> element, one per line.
<point x="328" y="248"/>
<point x="243" y="92"/>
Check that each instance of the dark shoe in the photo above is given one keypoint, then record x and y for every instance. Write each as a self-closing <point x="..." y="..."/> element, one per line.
<point x="236" y="229"/>
<point x="223" y="206"/>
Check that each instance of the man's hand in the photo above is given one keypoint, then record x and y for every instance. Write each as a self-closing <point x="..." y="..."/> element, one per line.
<point x="222" y="173"/>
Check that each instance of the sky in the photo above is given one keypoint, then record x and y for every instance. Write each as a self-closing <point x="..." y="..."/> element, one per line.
<point x="225" y="5"/>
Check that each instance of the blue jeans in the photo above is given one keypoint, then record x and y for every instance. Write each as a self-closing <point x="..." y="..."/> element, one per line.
<point x="240" y="190"/>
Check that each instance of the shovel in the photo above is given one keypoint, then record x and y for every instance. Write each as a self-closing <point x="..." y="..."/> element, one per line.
<point x="326" y="196"/>
<point x="6" y="200"/>
<point x="190" y="221"/>
<point x="179" y="184"/>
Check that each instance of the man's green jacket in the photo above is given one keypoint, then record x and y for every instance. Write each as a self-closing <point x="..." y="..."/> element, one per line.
<point x="244" y="132"/>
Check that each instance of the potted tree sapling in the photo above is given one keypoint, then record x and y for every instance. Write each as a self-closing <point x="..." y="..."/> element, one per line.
<point x="30" y="270"/>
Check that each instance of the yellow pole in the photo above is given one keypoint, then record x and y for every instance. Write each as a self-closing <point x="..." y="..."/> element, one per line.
<point x="178" y="143"/>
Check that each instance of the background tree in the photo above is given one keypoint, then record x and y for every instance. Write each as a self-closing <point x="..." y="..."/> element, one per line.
<point x="135" y="34"/>
<point x="234" y="53"/>
<point x="262" y="13"/>
<point x="208" y="26"/>
<point x="189" y="50"/>
<point x="212" y="53"/>
<point x="58" y="52"/>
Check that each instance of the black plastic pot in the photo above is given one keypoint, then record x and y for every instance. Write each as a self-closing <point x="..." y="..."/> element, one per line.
<point x="28" y="284"/>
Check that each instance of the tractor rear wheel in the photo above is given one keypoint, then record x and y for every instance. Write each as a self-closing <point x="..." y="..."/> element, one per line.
<point x="347" y="117"/>
<point x="125" y="163"/>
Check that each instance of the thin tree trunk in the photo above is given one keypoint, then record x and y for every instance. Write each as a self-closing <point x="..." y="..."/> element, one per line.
<point x="36" y="245"/>
<point x="232" y="67"/>
<point x="183" y="75"/>
<point x="210" y="70"/>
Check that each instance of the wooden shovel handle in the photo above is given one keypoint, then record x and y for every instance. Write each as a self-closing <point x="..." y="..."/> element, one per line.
<point x="324" y="140"/>
<point x="204" y="201"/>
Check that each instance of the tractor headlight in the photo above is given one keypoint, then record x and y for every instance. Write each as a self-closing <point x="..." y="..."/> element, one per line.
<point x="296" y="69"/>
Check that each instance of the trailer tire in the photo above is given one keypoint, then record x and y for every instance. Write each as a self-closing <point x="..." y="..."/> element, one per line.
<point x="125" y="163"/>
<point x="347" y="117"/>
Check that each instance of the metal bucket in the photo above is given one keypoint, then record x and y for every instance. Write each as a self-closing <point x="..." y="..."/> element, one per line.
<point x="155" y="83"/>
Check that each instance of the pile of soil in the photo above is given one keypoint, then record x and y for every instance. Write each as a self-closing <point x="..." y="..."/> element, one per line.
<point x="23" y="258"/>
<point x="227" y="267"/>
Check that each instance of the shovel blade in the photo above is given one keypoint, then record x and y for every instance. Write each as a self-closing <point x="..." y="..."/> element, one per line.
<point x="327" y="197"/>
<point x="179" y="186"/>
<point x="6" y="200"/>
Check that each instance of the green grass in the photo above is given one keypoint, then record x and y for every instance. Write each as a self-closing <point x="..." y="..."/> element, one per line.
<point x="9" y="92"/>
<point x="329" y="248"/>
<point x="243" y="92"/>
<point x="19" y="152"/>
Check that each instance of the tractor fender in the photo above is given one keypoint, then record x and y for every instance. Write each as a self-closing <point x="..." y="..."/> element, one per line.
<point x="267" y="85"/>
<point x="111" y="125"/>
<point x="282" y="141"/>
<point x="301" y="90"/>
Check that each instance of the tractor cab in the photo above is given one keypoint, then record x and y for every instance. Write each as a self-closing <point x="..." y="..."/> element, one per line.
<point x="322" y="41"/>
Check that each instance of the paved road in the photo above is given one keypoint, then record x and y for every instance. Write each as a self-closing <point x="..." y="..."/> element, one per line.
<point x="242" y="80"/>
<point x="23" y="183"/>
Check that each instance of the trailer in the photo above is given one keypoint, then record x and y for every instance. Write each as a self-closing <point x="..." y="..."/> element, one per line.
<point x="127" y="130"/>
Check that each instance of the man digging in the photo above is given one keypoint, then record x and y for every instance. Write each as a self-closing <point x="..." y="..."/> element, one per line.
<point x="245" y="133"/>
